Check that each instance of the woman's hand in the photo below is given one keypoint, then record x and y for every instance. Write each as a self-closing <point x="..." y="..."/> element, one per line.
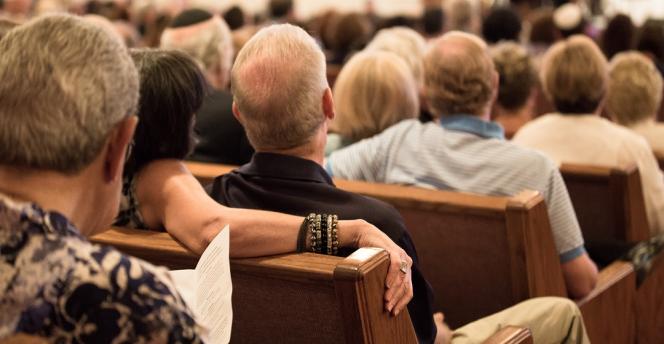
<point x="359" y="233"/>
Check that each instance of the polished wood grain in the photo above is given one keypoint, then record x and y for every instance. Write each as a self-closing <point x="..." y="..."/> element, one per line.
<point x="650" y="304"/>
<point x="294" y="298"/>
<point x="498" y="251"/>
<point x="608" y="202"/>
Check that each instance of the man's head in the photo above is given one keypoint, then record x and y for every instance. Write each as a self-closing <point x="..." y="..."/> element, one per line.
<point x="459" y="76"/>
<point x="635" y="88"/>
<point x="207" y="39"/>
<point x="518" y="76"/>
<point x="574" y="75"/>
<point x="280" y="89"/>
<point x="68" y="93"/>
<point x="281" y="9"/>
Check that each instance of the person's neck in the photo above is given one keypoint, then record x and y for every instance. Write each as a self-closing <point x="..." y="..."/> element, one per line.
<point x="313" y="150"/>
<point x="512" y="120"/>
<point x="52" y="191"/>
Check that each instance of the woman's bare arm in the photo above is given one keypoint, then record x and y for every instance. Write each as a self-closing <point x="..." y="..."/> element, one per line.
<point x="170" y="197"/>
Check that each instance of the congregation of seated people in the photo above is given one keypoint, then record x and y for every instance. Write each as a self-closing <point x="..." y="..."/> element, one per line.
<point x="105" y="106"/>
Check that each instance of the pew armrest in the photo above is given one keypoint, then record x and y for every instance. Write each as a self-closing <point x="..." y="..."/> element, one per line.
<point x="608" y="311"/>
<point x="511" y="335"/>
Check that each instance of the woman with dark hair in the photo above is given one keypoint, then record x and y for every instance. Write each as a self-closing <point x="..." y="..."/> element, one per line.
<point x="160" y="193"/>
<point x="618" y="35"/>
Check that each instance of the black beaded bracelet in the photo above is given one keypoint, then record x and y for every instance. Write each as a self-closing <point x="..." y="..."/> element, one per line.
<point x="302" y="234"/>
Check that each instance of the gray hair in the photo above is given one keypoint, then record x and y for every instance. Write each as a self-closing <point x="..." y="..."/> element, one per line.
<point x="65" y="84"/>
<point x="211" y="43"/>
<point x="278" y="82"/>
<point x="404" y="42"/>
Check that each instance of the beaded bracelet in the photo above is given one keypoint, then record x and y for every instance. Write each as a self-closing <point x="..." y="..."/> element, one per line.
<point x="321" y="230"/>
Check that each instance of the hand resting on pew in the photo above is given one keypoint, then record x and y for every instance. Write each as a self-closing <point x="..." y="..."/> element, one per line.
<point x="165" y="187"/>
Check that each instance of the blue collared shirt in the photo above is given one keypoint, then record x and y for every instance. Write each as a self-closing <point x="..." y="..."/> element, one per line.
<point x="473" y="125"/>
<point x="462" y="153"/>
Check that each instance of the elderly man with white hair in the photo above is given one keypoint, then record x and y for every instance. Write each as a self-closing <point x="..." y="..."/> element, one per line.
<point x="462" y="150"/>
<point x="207" y="39"/>
<point x="282" y="98"/>
<point x="68" y="97"/>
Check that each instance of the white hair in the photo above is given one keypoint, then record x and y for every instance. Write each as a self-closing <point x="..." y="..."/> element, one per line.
<point x="210" y="43"/>
<point x="404" y="42"/>
<point x="278" y="82"/>
<point x="65" y="84"/>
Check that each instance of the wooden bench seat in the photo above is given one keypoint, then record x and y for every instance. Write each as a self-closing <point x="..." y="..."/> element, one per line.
<point x="299" y="298"/>
<point x="482" y="254"/>
<point x="325" y="299"/>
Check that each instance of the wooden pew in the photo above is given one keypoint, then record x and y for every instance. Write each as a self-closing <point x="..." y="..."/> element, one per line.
<point x="608" y="202"/>
<point x="497" y="251"/>
<point x="325" y="299"/>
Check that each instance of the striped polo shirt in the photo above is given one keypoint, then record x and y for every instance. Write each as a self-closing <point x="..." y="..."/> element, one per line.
<point x="462" y="153"/>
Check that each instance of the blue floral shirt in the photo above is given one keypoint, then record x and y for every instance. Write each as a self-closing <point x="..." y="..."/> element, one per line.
<point x="58" y="285"/>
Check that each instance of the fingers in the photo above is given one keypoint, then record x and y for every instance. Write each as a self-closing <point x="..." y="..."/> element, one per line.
<point x="398" y="282"/>
<point x="405" y="298"/>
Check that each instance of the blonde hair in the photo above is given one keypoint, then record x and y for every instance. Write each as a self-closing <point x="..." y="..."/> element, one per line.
<point x="374" y="90"/>
<point x="517" y="74"/>
<point x="404" y="42"/>
<point x="574" y="75"/>
<point x="278" y="81"/>
<point x="458" y="75"/>
<point x="635" y="88"/>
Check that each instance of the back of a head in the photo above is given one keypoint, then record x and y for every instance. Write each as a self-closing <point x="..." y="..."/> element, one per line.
<point x="458" y="75"/>
<point x="574" y="75"/>
<point x="172" y="91"/>
<point x="203" y="36"/>
<point x="65" y="84"/>
<point x="618" y="35"/>
<point x="569" y="19"/>
<point x="502" y="24"/>
<point x="404" y="42"/>
<point x="433" y="21"/>
<point x="461" y="15"/>
<point x="543" y="30"/>
<point x="651" y="39"/>
<point x="374" y="90"/>
<point x="635" y="88"/>
<point x="280" y="8"/>
<point x="350" y="31"/>
<point x="517" y="73"/>
<point x="234" y="17"/>
<point x="278" y="82"/>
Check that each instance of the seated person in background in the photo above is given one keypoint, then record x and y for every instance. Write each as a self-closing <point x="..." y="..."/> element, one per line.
<point x="159" y="192"/>
<point x="280" y="66"/>
<point x="634" y="96"/>
<point x="410" y="46"/>
<point x="575" y="77"/>
<point x="462" y="150"/>
<point x="517" y="89"/>
<point x="374" y="91"/>
<point x="69" y="90"/>
<point x="501" y="24"/>
<point x="286" y="172"/>
<point x="206" y="38"/>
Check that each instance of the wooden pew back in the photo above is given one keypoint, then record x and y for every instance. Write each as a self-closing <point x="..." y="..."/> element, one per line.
<point x="481" y="254"/>
<point x="298" y="298"/>
<point x="608" y="202"/>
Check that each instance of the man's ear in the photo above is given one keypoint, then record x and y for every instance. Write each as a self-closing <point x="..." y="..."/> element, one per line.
<point x="328" y="104"/>
<point x="495" y="81"/>
<point x="116" y="148"/>
<point x="236" y="113"/>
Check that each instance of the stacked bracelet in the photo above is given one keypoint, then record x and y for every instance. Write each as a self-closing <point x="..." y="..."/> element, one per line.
<point x="321" y="230"/>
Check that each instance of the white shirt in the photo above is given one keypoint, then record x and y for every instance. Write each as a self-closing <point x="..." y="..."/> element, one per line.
<point x="468" y="156"/>
<point x="653" y="132"/>
<point x="590" y="139"/>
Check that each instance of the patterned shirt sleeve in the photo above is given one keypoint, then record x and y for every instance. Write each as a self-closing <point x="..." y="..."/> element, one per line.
<point x="114" y="295"/>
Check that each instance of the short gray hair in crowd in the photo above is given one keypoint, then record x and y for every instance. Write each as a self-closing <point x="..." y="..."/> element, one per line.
<point x="65" y="84"/>
<point x="278" y="81"/>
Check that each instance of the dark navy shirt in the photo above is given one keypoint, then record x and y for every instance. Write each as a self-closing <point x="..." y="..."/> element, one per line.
<point x="298" y="186"/>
